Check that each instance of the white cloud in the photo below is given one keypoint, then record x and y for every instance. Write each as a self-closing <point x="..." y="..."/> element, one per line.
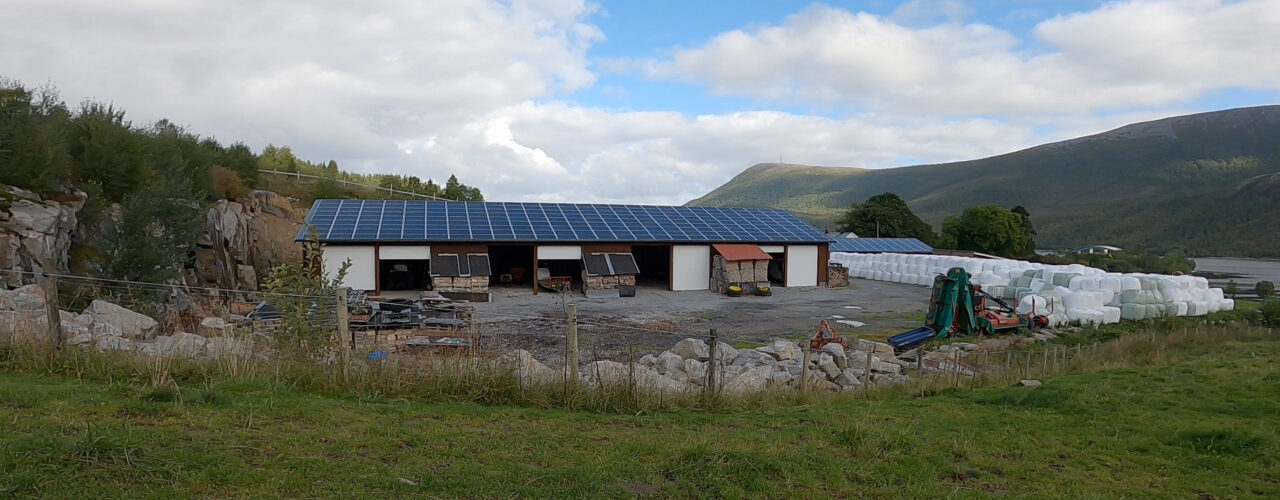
<point x="1122" y="56"/>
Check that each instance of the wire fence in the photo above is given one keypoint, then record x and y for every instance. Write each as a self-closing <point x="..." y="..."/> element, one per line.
<point x="573" y="357"/>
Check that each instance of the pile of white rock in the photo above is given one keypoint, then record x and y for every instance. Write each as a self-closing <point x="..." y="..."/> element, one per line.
<point x="1066" y="294"/>
<point x="777" y="365"/>
<point x="109" y="327"/>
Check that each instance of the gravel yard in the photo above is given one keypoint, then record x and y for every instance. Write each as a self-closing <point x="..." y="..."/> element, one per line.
<point x="656" y="319"/>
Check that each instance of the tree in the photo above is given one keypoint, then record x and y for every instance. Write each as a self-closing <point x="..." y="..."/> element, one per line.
<point x="33" y="148"/>
<point x="151" y="240"/>
<point x="989" y="229"/>
<point x="1232" y="289"/>
<point x="888" y="216"/>
<point x="107" y="151"/>
<point x="1265" y="289"/>
<point x="332" y="169"/>
<point x="1028" y="230"/>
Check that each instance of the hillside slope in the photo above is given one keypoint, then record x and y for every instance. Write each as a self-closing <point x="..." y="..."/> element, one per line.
<point x="1202" y="182"/>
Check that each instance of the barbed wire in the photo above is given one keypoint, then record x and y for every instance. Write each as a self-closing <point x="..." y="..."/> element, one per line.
<point x="155" y="285"/>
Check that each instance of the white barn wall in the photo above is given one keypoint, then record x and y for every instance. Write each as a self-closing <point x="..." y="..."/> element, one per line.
<point x="691" y="267"/>
<point x="410" y="252"/>
<point x="802" y="265"/>
<point x="361" y="275"/>
<point x="559" y="252"/>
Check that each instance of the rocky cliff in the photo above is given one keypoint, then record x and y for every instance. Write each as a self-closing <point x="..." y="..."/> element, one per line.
<point x="241" y="240"/>
<point x="35" y="230"/>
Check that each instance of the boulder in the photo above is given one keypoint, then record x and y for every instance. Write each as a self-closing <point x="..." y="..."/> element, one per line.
<point x="751" y="381"/>
<point x="647" y="360"/>
<point x="181" y="344"/>
<point x="828" y="366"/>
<point x="215" y="327"/>
<point x="692" y="349"/>
<point x="782" y="350"/>
<point x="837" y="354"/>
<point x="669" y="364"/>
<point x="27" y="299"/>
<point x="754" y="358"/>
<point x="133" y="325"/>
<point x="696" y="370"/>
<point x="1029" y="383"/>
<point x="877" y="349"/>
<point x="881" y="366"/>
<point x="527" y="368"/>
<point x="114" y="344"/>
<point x="725" y="353"/>
<point x="849" y="377"/>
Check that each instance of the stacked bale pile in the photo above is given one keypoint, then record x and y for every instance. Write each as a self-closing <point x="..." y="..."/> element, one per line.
<point x="1066" y="294"/>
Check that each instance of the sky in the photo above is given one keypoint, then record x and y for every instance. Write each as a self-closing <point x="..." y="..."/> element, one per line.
<point x="643" y="102"/>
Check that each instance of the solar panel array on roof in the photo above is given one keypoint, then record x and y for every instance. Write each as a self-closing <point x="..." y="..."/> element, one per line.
<point x="409" y="220"/>
<point x="880" y="245"/>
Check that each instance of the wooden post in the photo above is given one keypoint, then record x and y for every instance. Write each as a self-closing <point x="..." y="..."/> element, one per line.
<point x="920" y="360"/>
<point x="1026" y="368"/>
<point x="804" y="370"/>
<point x="343" y="332"/>
<point x="955" y="369"/>
<point x="712" y="359"/>
<point x="1008" y="361"/>
<point x="54" y="317"/>
<point x="573" y="342"/>
<point x="866" y="374"/>
<point x="986" y="355"/>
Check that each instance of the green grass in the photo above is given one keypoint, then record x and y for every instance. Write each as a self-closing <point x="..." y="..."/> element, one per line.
<point x="1202" y="419"/>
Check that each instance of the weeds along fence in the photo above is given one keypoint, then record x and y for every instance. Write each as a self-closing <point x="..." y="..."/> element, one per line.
<point x="562" y="359"/>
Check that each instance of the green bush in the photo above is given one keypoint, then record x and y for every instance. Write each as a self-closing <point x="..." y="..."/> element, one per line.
<point x="1271" y="312"/>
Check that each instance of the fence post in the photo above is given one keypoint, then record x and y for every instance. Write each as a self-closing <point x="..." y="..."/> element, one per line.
<point x="573" y="342"/>
<point x="710" y="385"/>
<point x="1008" y="361"/>
<point x="866" y="374"/>
<point x="920" y="360"/>
<point x="1026" y="367"/>
<point x="955" y="369"/>
<point x="344" y="331"/>
<point x="51" y="304"/>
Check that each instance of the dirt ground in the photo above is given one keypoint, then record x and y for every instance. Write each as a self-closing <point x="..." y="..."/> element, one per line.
<point x="655" y="319"/>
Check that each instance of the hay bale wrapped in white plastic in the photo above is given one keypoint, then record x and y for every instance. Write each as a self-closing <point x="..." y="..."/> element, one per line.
<point x="1032" y="304"/>
<point x="1133" y="312"/>
<point x="1130" y="283"/>
<point x="1110" y="314"/>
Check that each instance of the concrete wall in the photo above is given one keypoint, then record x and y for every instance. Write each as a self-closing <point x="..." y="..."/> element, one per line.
<point x="559" y="252"/>
<point x="802" y="265"/>
<point x="362" y="273"/>
<point x="691" y="267"/>
<point x="409" y="252"/>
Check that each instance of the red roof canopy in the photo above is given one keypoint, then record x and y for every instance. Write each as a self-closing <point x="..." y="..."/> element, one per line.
<point x="741" y="251"/>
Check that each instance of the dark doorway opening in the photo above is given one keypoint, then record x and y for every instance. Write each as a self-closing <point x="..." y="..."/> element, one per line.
<point x="510" y="264"/>
<point x="778" y="269"/>
<point x="406" y="274"/>
<point x="654" y="262"/>
<point x="563" y="268"/>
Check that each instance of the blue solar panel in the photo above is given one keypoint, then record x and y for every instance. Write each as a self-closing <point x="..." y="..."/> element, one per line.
<point x="880" y="245"/>
<point x="425" y="221"/>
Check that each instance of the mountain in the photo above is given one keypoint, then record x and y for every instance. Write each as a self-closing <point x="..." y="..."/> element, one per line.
<point x="1207" y="183"/>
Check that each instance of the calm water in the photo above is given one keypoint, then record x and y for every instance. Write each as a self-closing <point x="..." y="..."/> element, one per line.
<point x="1246" y="272"/>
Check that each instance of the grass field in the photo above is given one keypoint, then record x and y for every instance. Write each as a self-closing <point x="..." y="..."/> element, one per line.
<point x="1201" y="419"/>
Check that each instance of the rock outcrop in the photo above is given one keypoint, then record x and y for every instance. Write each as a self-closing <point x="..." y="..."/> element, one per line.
<point x="244" y="239"/>
<point x="35" y="230"/>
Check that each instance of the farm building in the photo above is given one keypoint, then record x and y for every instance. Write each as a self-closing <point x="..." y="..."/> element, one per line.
<point x="409" y="245"/>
